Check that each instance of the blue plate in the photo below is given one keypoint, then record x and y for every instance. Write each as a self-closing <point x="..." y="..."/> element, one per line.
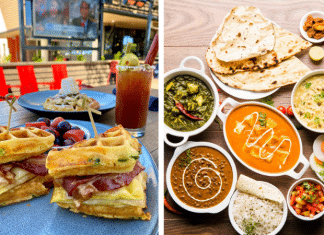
<point x="34" y="102"/>
<point x="40" y="217"/>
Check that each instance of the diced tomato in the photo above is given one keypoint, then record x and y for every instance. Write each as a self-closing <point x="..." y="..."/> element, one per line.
<point x="292" y="200"/>
<point x="321" y="199"/>
<point x="298" y="211"/>
<point x="320" y="193"/>
<point x="318" y="187"/>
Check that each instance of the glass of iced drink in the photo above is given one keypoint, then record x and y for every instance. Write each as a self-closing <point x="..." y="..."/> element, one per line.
<point x="132" y="97"/>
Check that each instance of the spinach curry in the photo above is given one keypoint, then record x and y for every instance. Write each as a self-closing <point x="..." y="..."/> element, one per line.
<point x="188" y="103"/>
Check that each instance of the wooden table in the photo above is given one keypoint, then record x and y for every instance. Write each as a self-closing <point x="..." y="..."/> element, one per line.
<point x="150" y="140"/>
<point x="189" y="27"/>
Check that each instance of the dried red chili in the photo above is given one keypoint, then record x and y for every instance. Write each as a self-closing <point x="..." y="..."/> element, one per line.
<point x="184" y="111"/>
<point x="168" y="206"/>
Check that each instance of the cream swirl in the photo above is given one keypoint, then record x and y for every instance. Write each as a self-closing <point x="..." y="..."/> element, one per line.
<point x="207" y="177"/>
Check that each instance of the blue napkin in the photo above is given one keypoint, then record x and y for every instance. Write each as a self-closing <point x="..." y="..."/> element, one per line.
<point x="153" y="103"/>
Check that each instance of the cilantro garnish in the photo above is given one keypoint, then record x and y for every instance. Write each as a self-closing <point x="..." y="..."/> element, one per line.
<point x="262" y="119"/>
<point x="306" y="185"/>
<point x="123" y="159"/>
<point x="267" y="100"/>
<point x="308" y="85"/>
<point x="307" y="115"/>
<point x="249" y="226"/>
<point x="135" y="157"/>
<point x="317" y="120"/>
<point x="186" y="160"/>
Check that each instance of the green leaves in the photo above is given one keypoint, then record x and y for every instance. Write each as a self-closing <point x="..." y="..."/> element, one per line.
<point x="268" y="100"/>
<point x="308" y="85"/>
<point x="262" y="119"/>
<point x="249" y="226"/>
<point x="186" y="160"/>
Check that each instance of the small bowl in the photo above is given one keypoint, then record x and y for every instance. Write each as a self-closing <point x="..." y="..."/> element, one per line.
<point x="308" y="75"/>
<point x="199" y="74"/>
<point x="235" y="225"/>
<point x="315" y="14"/>
<point x="289" y="195"/>
<point x="215" y="209"/>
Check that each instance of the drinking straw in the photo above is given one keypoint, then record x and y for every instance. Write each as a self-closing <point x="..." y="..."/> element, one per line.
<point x="150" y="57"/>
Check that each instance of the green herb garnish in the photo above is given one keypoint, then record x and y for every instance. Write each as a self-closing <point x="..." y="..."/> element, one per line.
<point x="308" y="85"/>
<point x="262" y="119"/>
<point x="2" y="152"/>
<point x="319" y="97"/>
<point x="267" y="100"/>
<point x="317" y="120"/>
<point x="186" y="160"/>
<point x="123" y="159"/>
<point x="249" y="226"/>
<point x="306" y="185"/>
<point x="95" y="162"/>
<point x="307" y="115"/>
<point x="135" y="157"/>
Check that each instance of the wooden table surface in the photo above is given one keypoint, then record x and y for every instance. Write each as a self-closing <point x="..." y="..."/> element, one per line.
<point x="189" y="26"/>
<point x="150" y="139"/>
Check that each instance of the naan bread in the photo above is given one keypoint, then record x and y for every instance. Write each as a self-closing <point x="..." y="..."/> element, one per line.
<point x="258" y="189"/>
<point x="244" y="33"/>
<point x="285" y="73"/>
<point x="287" y="44"/>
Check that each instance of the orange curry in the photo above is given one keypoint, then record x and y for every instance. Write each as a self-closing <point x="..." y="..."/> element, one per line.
<point x="262" y="139"/>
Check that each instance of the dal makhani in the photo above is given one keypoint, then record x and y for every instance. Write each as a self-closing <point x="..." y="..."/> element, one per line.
<point x="201" y="177"/>
<point x="262" y="139"/>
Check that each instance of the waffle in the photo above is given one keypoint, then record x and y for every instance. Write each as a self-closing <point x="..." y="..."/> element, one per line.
<point x="69" y="103"/>
<point x="113" y="152"/>
<point x="20" y="143"/>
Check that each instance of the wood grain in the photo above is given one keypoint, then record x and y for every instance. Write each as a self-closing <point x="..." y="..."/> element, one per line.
<point x="189" y="28"/>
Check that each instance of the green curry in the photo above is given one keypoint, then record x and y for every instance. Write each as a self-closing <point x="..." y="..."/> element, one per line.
<point x="188" y="103"/>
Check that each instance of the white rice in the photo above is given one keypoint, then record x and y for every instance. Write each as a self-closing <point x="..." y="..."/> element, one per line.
<point x="265" y="212"/>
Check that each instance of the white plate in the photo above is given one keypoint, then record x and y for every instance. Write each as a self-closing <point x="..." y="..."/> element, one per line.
<point x="315" y="14"/>
<point x="238" y="93"/>
<point x="237" y="228"/>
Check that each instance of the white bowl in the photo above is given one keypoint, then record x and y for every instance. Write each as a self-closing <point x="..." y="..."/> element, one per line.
<point x="291" y="172"/>
<point x="315" y="14"/>
<point x="237" y="228"/>
<point x="215" y="209"/>
<point x="200" y="74"/>
<point x="306" y="76"/>
<point x="292" y="209"/>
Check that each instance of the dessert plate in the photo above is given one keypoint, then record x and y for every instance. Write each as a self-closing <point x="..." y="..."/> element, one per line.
<point x="34" y="102"/>
<point x="40" y="217"/>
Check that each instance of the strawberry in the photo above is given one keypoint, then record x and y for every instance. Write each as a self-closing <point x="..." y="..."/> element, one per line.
<point x="56" y="121"/>
<point x="74" y="135"/>
<point x="35" y="124"/>
<point x="57" y="134"/>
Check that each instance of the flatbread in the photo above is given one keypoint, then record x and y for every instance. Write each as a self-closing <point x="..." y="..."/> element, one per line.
<point x="285" y="73"/>
<point x="244" y="33"/>
<point x="258" y="189"/>
<point x="287" y="44"/>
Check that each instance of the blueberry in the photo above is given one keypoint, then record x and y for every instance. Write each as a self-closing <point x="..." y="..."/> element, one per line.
<point x="68" y="142"/>
<point x="50" y="131"/>
<point x="63" y="127"/>
<point x="46" y="120"/>
<point x="75" y="128"/>
<point x="58" y="141"/>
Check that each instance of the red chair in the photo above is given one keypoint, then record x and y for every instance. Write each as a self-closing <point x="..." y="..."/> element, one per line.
<point x="28" y="79"/>
<point x="4" y="88"/>
<point x="60" y="72"/>
<point x="113" y="72"/>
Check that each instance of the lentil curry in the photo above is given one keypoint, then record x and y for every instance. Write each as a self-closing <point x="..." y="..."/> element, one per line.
<point x="201" y="177"/>
<point x="188" y="103"/>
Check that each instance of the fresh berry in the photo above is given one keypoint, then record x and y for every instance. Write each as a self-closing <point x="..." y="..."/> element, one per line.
<point x="50" y="131"/>
<point x="58" y="141"/>
<point x="35" y="124"/>
<point x="46" y="120"/>
<point x="75" y="135"/>
<point x="56" y="121"/>
<point x="45" y="127"/>
<point x="289" y="111"/>
<point x="68" y="142"/>
<point x="282" y="109"/>
<point x="75" y="128"/>
<point x="63" y="127"/>
<point x="53" y="131"/>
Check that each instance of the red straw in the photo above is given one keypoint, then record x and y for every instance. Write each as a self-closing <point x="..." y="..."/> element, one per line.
<point x="153" y="51"/>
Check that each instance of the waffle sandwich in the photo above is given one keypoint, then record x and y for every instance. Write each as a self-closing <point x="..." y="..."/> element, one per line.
<point x="101" y="177"/>
<point x="23" y="175"/>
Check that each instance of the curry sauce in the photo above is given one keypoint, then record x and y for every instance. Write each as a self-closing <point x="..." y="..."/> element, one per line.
<point x="201" y="177"/>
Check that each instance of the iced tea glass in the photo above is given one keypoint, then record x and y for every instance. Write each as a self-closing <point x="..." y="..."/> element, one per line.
<point x="132" y="97"/>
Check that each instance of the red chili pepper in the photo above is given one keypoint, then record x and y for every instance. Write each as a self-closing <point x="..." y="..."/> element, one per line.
<point x="185" y="112"/>
<point x="168" y="206"/>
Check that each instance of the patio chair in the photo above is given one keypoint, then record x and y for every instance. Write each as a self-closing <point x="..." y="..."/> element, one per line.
<point x="28" y="79"/>
<point x="113" y="72"/>
<point x="60" y="72"/>
<point x="4" y="88"/>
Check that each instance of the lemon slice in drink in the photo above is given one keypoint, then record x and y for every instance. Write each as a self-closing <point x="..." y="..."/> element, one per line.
<point x="316" y="53"/>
